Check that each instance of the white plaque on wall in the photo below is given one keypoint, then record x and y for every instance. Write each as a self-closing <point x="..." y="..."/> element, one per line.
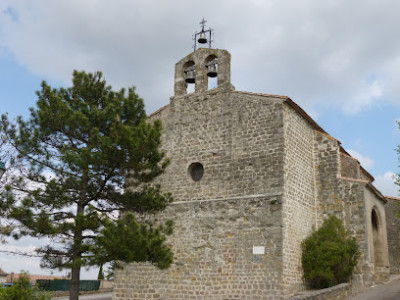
<point x="260" y="250"/>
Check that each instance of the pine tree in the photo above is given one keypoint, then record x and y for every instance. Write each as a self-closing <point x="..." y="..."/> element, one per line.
<point x="83" y="176"/>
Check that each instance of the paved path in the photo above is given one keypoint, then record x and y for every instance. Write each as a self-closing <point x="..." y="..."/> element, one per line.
<point x="388" y="291"/>
<point x="104" y="296"/>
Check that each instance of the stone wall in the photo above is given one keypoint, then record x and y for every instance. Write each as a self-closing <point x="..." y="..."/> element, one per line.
<point x="236" y="205"/>
<point x="212" y="245"/>
<point x="377" y="234"/>
<point x="237" y="138"/>
<point x="349" y="166"/>
<point x="106" y="285"/>
<point x="299" y="214"/>
<point x="269" y="177"/>
<point x="393" y="228"/>
<point x="344" y="190"/>
<point x="337" y="292"/>
<point x="354" y="219"/>
<point x="327" y="168"/>
<point x="360" y="202"/>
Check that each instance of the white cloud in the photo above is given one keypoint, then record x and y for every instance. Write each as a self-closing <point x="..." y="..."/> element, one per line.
<point x="368" y="96"/>
<point x="15" y="263"/>
<point x="11" y="261"/>
<point x="319" y="52"/>
<point x="365" y="161"/>
<point x="29" y="249"/>
<point x="386" y="184"/>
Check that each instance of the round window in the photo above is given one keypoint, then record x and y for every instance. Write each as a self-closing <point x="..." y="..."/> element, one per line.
<point x="196" y="171"/>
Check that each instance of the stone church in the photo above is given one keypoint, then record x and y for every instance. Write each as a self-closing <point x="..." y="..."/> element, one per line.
<point x="251" y="175"/>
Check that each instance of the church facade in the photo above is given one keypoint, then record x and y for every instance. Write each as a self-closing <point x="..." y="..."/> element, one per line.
<point x="251" y="176"/>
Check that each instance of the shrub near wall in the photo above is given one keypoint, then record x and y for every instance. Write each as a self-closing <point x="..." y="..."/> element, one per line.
<point x="329" y="255"/>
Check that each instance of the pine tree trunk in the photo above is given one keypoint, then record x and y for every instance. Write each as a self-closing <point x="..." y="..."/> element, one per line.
<point x="76" y="252"/>
<point x="74" y="286"/>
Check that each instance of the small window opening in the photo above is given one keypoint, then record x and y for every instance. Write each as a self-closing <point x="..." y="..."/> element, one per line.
<point x="196" y="171"/>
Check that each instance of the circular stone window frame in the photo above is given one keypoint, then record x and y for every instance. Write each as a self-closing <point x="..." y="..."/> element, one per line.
<point x="195" y="171"/>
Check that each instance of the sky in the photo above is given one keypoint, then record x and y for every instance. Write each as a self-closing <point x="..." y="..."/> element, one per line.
<point x="339" y="60"/>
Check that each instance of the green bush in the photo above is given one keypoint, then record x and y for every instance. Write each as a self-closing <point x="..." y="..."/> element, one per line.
<point x="22" y="290"/>
<point x="329" y="255"/>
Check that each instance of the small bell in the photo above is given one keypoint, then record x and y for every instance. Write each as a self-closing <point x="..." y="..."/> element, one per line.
<point x="202" y="39"/>
<point x="212" y="70"/>
<point x="190" y="76"/>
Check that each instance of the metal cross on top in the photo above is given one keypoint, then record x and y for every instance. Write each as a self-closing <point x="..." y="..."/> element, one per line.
<point x="201" y="37"/>
<point x="202" y="23"/>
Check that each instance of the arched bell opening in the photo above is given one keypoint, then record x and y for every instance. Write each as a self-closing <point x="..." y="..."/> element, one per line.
<point x="211" y="64"/>
<point x="189" y="70"/>
<point x="379" y="253"/>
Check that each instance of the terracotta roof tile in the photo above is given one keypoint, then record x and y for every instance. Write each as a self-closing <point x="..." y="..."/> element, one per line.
<point x="158" y="111"/>
<point x="392" y="198"/>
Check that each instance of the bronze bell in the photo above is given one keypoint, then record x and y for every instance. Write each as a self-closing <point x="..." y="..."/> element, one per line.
<point x="212" y="70"/>
<point x="190" y="76"/>
<point x="202" y="39"/>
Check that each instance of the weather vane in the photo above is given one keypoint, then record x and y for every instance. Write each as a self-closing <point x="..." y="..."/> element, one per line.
<point x="201" y="37"/>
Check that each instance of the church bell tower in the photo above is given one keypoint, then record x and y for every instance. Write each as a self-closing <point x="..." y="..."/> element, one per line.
<point x="202" y="64"/>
